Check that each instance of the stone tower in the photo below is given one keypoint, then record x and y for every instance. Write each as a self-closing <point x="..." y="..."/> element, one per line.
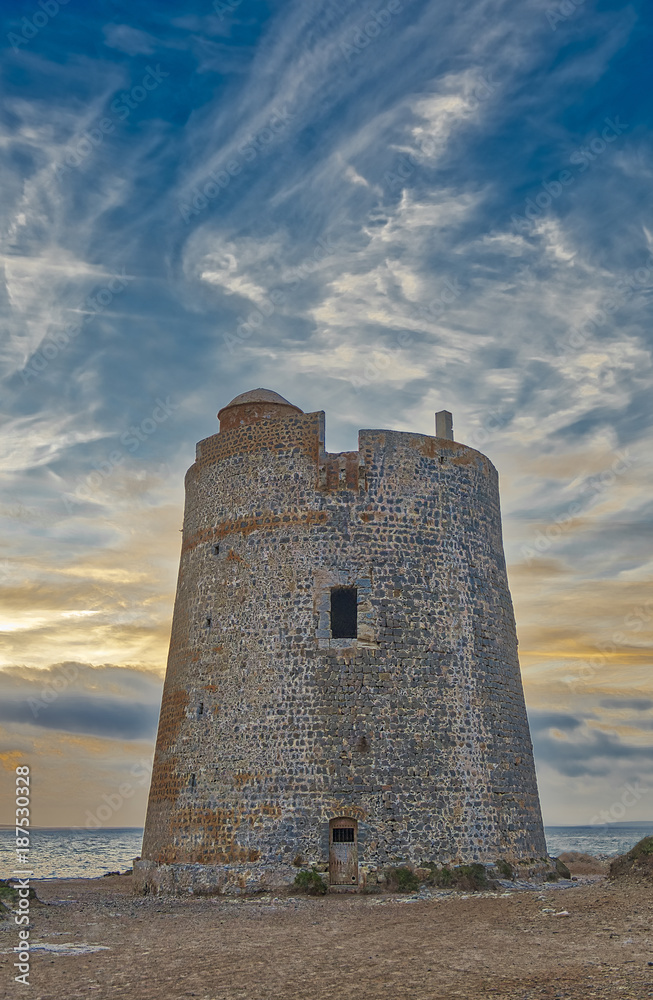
<point x="343" y="687"/>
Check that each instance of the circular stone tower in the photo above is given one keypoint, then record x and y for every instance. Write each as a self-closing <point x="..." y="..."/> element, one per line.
<point x="343" y="687"/>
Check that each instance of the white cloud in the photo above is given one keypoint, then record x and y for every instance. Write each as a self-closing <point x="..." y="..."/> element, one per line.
<point x="130" y="40"/>
<point x="30" y="442"/>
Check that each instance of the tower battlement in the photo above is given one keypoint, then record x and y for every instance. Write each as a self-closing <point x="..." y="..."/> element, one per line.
<point x="343" y="660"/>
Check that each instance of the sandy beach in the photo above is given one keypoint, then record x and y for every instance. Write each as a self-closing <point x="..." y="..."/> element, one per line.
<point x="510" y="946"/>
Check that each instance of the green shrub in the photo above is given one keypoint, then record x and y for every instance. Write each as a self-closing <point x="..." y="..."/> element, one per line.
<point x="401" y="880"/>
<point x="641" y="849"/>
<point x="9" y="892"/>
<point x="311" y="882"/>
<point x="469" y="878"/>
<point x="638" y="861"/>
<point x="9" y="899"/>
<point x="442" y="877"/>
<point x="505" y="869"/>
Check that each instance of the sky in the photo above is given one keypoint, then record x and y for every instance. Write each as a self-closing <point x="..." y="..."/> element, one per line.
<point x="376" y="211"/>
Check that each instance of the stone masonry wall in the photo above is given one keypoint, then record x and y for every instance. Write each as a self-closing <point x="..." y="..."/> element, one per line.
<point x="269" y="728"/>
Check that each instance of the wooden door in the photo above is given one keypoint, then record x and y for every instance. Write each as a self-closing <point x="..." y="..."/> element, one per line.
<point x="343" y="852"/>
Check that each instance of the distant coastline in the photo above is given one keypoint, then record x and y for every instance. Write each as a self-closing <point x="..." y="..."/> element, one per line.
<point x="74" y="852"/>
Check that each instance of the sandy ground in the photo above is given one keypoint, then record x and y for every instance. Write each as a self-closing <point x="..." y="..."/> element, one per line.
<point x="340" y="946"/>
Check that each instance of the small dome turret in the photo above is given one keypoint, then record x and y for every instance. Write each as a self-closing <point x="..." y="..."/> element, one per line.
<point x="253" y="406"/>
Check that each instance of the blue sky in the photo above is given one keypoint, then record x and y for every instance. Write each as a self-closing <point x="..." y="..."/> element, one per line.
<point x="376" y="211"/>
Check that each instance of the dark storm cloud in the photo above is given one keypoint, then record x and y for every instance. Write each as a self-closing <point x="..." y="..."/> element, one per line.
<point x="110" y="702"/>
<point x="553" y="720"/>
<point x="636" y="704"/>
<point x="583" y="750"/>
<point x="92" y="716"/>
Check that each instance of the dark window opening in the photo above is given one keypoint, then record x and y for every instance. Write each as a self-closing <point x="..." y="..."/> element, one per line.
<point x="344" y="624"/>
<point x="192" y="781"/>
<point x="216" y="550"/>
<point x="343" y="835"/>
<point x="200" y="710"/>
<point x="208" y="623"/>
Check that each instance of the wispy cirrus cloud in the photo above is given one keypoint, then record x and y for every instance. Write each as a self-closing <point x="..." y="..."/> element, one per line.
<point x="374" y="186"/>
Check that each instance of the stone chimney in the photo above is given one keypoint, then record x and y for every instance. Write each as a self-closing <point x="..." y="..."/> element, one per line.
<point x="444" y="425"/>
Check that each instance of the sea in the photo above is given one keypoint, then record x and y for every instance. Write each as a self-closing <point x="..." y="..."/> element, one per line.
<point x="81" y="853"/>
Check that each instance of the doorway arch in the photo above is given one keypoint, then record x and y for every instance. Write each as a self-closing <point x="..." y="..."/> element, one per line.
<point x="343" y="851"/>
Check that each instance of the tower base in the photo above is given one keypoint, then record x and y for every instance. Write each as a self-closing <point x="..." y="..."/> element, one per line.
<point x="152" y="878"/>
